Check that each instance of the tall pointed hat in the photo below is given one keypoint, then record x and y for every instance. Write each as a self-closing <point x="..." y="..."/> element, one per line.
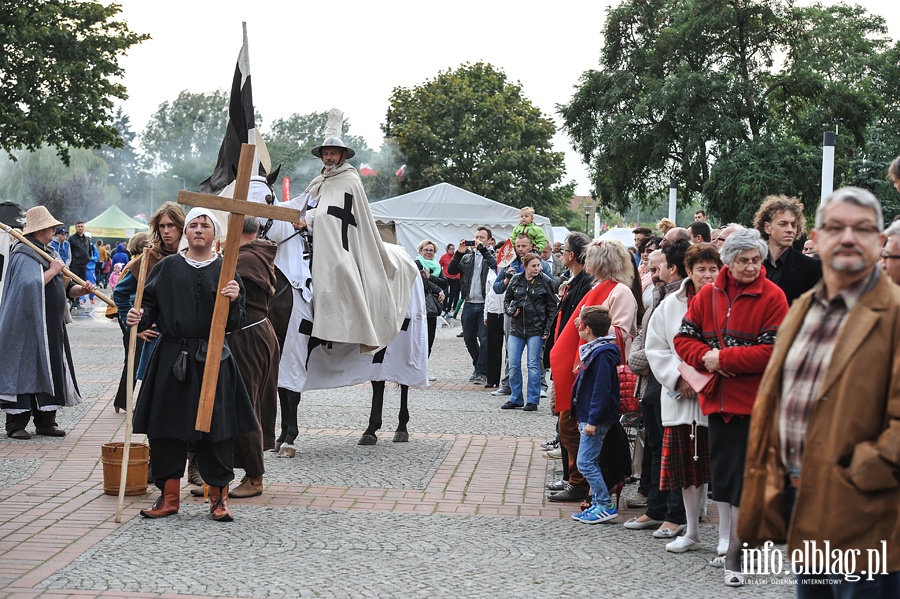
<point x="333" y="127"/>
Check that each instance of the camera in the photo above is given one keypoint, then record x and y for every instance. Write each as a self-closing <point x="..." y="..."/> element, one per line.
<point x="512" y="308"/>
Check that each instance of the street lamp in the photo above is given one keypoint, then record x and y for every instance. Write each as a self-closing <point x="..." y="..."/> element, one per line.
<point x="587" y="215"/>
<point x="183" y="182"/>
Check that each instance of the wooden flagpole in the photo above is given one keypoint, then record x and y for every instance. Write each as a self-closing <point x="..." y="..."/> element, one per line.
<point x="129" y="397"/>
<point x="15" y="233"/>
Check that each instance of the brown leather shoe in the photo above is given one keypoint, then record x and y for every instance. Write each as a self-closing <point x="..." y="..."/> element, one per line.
<point x="247" y="488"/>
<point x="168" y="502"/>
<point x="218" y="506"/>
<point x="193" y="473"/>
<point x="50" y="431"/>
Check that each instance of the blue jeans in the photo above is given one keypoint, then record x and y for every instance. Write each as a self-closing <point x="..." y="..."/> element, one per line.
<point x="588" y="453"/>
<point x="516" y="346"/>
<point x="475" y="335"/>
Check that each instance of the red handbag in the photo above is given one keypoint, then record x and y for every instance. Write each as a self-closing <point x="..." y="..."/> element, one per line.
<point x="628" y="402"/>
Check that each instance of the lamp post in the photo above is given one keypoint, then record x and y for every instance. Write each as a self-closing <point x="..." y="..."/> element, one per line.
<point x="183" y="182"/>
<point x="152" y="178"/>
<point x="587" y="215"/>
<point x="388" y="139"/>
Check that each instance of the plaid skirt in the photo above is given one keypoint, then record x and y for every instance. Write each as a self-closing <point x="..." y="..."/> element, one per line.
<point x="679" y="469"/>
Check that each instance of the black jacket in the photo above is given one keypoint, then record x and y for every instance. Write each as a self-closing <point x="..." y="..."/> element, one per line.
<point x="536" y="301"/>
<point x="463" y="264"/>
<point x="81" y="249"/>
<point x="795" y="274"/>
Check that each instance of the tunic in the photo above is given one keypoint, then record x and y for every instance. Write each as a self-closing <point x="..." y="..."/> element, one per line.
<point x="180" y="299"/>
<point x="36" y="358"/>
<point x="255" y="347"/>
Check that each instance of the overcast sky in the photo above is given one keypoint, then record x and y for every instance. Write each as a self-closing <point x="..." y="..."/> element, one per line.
<point x="309" y="57"/>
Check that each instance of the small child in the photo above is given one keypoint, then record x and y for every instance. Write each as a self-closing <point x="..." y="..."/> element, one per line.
<point x="526" y="226"/>
<point x="595" y="402"/>
<point x="115" y="275"/>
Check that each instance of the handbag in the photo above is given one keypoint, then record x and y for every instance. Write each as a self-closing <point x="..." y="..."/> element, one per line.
<point x="628" y="402"/>
<point x="699" y="381"/>
<point x="432" y="307"/>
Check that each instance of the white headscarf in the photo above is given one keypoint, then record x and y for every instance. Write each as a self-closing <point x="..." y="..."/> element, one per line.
<point x="195" y="212"/>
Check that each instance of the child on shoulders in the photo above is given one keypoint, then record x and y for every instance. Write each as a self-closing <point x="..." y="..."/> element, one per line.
<point x="526" y="226"/>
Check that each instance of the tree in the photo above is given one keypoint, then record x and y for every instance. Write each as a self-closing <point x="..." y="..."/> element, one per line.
<point x="690" y="90"/>
<point x="473" y="128"/>
<point x="58" y="66"/>
<point x="190" y="127"/>
<point x="78" y="190"/>
<point x="123" y="162"/>
<point x="290" y="142"/>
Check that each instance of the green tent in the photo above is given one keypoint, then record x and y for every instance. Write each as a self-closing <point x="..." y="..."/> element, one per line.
<point x="112" y="223"/>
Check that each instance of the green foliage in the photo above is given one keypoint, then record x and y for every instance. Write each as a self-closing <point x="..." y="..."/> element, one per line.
<point x="472" y="128"/>
<point x="58" y="64"/>
<point x="691" y="90"/>
<point x="73" y="191"/>
<point x="191" y="126"/>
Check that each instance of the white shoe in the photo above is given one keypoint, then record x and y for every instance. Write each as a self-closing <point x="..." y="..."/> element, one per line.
<point x="722" y="547"/>
<point x="432" y="379"/>
<point x="668" y="533"/>
<point x="734" y="578"/>
<point x="543" y="394"/>
<point x="717" y="562"/>
<point x="553" y="454"/>
<point x="682" y="544"/>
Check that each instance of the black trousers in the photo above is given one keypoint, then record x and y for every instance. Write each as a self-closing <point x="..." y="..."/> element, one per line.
<point x="495" y="356"/>
<point x="214" y="460"/>
<point x="42" y="419"/>
<point x="661" y="505"/>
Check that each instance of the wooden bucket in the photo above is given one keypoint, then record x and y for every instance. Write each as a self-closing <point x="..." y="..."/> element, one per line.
<point x="138" y="465"/>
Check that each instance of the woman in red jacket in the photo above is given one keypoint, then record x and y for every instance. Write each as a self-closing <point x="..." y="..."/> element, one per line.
<point x="729" y="330"/>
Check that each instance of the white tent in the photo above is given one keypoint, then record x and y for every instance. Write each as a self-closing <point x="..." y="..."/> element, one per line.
<point x="445" y="214"/>
<point x="621" y="234"/>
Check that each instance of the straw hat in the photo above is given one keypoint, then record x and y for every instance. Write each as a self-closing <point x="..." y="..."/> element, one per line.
<point x="38" y="219"/>
<point x="333" y="127"/>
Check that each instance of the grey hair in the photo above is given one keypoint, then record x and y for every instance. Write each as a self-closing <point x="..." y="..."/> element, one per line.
<point x="251" y="225"/>
<point x="893" y="230"/>
<point x="741" y="241"/>
<point x="852" y="195"/>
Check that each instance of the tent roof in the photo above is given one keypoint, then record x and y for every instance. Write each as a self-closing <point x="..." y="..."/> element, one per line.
<point x="448" y="204"/>
<point x="114" y="218"/>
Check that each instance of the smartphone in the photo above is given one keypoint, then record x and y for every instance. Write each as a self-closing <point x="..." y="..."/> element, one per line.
<point x="470" y="242"/>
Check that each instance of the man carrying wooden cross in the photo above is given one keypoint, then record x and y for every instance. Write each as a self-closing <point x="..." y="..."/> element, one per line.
<point x="179" y="297"/>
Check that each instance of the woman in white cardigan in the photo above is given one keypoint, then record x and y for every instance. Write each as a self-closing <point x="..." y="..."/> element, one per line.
<point x="685" y="454"/>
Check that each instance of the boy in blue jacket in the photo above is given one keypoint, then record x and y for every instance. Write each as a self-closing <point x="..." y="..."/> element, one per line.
<point x="595" y="402"/>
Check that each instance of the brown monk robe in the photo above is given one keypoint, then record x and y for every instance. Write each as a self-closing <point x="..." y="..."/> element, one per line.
<point x="255" y="348"/>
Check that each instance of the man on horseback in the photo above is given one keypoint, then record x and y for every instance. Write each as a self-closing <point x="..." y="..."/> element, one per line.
<point x="362" y="289"/>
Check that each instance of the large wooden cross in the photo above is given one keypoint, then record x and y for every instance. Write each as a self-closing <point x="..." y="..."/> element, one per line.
<point x="239" y="207"/>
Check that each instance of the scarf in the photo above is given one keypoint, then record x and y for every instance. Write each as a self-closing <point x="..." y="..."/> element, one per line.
<point x="433" y="267"/>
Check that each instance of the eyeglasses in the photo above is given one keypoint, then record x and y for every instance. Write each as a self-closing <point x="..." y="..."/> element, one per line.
<point x="745" y="262"/>
<point x="890" y="257"/>
<point x="566" y="250"/>
<point x="859" y="230"/>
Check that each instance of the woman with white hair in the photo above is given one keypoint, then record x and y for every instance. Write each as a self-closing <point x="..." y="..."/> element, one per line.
<point x="729" y="330"/>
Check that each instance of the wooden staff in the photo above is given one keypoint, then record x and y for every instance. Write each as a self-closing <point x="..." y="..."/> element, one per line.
<point x="15" y="233"/>
<point x="129" y="399"/>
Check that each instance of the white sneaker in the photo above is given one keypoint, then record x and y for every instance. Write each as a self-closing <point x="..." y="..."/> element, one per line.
<point x="682" y="544"/>
<point x="722" y="547"/>
<point x="543" y="394"/>
<point x="553" y="454"/>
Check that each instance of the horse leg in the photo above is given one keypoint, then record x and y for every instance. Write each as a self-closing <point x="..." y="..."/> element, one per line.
<point x="289" y="402"/>
<point x="402" y="435"/>
<point x="368" y="437"/>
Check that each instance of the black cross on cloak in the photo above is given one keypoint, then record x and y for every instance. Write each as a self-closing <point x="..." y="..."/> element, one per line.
<point x="347" y="218"/>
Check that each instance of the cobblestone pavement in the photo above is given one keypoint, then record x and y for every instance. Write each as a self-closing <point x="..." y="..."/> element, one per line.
<point x="459" y="511"/>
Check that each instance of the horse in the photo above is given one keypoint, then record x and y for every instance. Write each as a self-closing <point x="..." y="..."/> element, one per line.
<point x="317" y="364"/>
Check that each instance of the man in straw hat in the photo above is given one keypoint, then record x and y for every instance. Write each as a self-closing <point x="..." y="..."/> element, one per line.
<point x="180" y="297"/>
<point x="36" y="373"/>
<point x="362" y="287"/>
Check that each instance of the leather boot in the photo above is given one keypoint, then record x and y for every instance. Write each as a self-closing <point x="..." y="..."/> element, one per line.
<point x="167" y="504"/>
<point x="193" y="473"/>
<point x="218" y="506"/>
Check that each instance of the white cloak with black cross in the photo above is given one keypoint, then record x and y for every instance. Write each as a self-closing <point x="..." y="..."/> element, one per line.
<point x="362" y="290"/>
